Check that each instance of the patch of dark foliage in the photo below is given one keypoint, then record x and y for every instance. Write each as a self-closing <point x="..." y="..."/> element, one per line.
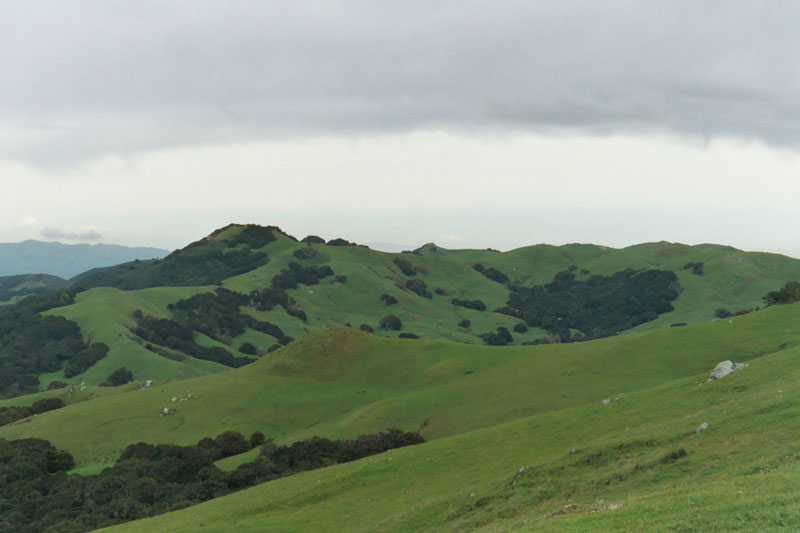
<point x="441" y="291"/>
<point x="506" y="310"/>
<point x="789" y="293"/>
<point x="477" y="305"/>
<point x="388" y="299"/>
<point x="340" y="242"/>
<point x="32" y="344"/>
<point x="464" y="323"/>
<point x="367" y="328"/>
<point x="696" y="268"/>
<point x="204" y="262"/>
<point x="520" y="328"/>
<point x="500" y="337"/>
<point x="120" y="376"/>
<point x="147" y="480"/>
<point x="313" y="239"/>
<point x="491" y="273"/>
<point x="408" y="336"/>
<point x="405" y="266"/>
<point x="600" y="306"/>
<point x="248" y="348"/>
<point x="18" y="412"/>
<point x="295" y="274"/>
<point x="391" y="322"/>
<point x="418" y="287"/>
<point x="678" y="324"/>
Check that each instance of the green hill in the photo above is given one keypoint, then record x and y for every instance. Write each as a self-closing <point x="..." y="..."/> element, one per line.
<point x="14" y="288"/>
<point x="284" y="289"/>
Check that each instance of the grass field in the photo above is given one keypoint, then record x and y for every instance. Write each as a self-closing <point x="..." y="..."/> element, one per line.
<point x="634" y="464"/>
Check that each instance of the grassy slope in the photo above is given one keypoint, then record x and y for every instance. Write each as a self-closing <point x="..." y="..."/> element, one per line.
<point x="741" y="473"/>
<point x="341" y="382"/>
<point x="733" y="279"/>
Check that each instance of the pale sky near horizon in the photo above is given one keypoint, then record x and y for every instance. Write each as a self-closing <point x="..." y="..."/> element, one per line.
<point x="470" y="124"/>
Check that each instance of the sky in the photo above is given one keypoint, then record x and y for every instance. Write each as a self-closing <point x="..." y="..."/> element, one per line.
<point x="469" y="124"/>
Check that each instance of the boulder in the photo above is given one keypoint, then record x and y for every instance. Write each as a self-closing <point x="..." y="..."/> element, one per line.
<point x="703" y="427"/>
<point x="724" y="368"/>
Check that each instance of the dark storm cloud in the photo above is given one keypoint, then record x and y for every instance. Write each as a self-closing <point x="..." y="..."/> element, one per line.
<point x="83" y="78"/>
<point x="86" y="235"/>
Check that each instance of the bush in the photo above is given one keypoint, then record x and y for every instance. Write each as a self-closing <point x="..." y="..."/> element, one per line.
<point x="248" y="348"/>
<point x="788" y="294"/>
<point x="501" y="337"/>
<point x="405" y="266"/>
<point x="441" y="291"/>
<point x="367" y="328"/>
<point x="340" y="242"/>
<point x="464" y="324"/>
<point x="120" y="376"/>
<point x="418" y="287"/>
<point x="408" y="336"/>
<point x="256" y="439"/>
<point x="722" y="313"/>
<point x="477" y="305"/>
<point x="391" y="322"/>
<point x="520" y="327"/>
<point x="491" y="273"/>
<point x="56" y="385"/>
<point x="313" y="239"/>
<point x="388" y="299"/>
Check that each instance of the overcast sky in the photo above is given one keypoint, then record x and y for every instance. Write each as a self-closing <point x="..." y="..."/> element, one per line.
<point x="471" y="124"/>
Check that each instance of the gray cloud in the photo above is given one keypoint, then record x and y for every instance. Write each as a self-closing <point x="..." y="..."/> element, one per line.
<point x="85" y="235"/>
<point x="82" y="79"/>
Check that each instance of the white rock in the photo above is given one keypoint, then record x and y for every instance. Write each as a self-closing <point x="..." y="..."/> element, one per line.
<point x="166" y="411"/>
<point x="724" y="368"/>
<point x="606" y="401"/>
<point x="703" y="427"/>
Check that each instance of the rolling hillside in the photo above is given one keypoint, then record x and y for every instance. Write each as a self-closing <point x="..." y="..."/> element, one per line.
<point x="362" y="286"/>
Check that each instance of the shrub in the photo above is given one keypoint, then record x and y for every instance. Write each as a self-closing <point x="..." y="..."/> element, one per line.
<point x="722" y="313"/>
<point x="408" y="336"/>
<point x="367" y="328"/>
<point x="120" y="376"/>
<point x="491" y="273"/>
<point x="313" y="239"/>
<point x="788" y="294"/>
<point x="388" y="299"/>
<point x="56" y="385"/>
<point x="520" y="327"/>
<point x="248" y="348"/>
<point x="501" y="337"/>
<point x="441" y="291"/>
<point x="256" y="439"/>
<point x="418" y="287"/>
<point x="477" y="305"/>
<point x="391" y="322"/>
<point x="464" y="324"/>
<point x="405" y="266"/>
<point x="340" y="242"/>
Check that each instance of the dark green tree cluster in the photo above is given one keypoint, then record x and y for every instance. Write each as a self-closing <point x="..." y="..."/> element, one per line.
<point x="120" y="376"/>
<point x="418" y="287"/>
<point x="204" y="262"/>
<point x="491" y="273"/>
<point x="405" y="266"/>
<point x="696" y="268"/>
<point x="477" y="305"/>
<point x="598" y="307"/>
<point x="177" y="336"/>
<point x="18" y="412"/>
<point x="500" y="337"/>
<point x="388" y="299"/>
<point x="37" y="493"/>
<point x="32" y="344"/>
<point x="295" y="274"/>
<point x="789" y="293"/>
<point x="340" y="242"/>
<point x="313" y="239"/>
<point x="391" y="322"/>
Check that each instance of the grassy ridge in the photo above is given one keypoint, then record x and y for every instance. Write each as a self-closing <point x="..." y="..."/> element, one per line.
<point x="626" y="471"/>
<point x="732" y="279"/>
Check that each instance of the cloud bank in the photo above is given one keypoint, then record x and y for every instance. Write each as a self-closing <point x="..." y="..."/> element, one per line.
<point x="114" y="77"/>
<point x="83" y="235"/>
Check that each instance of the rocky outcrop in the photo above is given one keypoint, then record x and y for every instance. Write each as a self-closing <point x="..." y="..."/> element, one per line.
<point x="724" y="368"/>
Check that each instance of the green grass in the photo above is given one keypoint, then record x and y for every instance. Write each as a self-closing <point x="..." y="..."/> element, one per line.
<point x="624" y="473"/>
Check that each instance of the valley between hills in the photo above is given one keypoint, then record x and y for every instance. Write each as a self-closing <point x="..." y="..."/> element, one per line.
<point x="289" y="384"/>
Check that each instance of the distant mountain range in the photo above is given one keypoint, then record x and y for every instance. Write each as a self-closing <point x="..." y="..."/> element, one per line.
<point x="66" y="260"/>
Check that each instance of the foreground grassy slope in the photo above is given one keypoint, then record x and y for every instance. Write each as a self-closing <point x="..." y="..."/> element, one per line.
<point x="341" y="382"/>
<point x="635" y="464"/>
